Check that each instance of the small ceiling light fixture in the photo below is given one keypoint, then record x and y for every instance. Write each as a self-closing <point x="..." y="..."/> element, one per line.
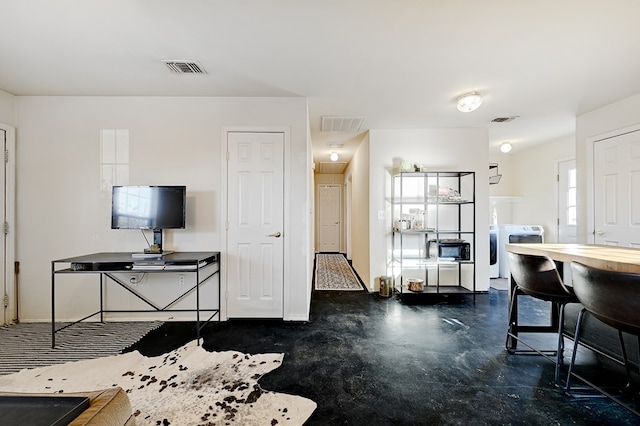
<point x="333" y="156"/>
<point x="505" y="147"/>
<point x="469" y="102"/>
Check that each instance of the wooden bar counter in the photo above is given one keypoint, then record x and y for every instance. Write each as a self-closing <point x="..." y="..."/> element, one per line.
<point x="612" y="258"/>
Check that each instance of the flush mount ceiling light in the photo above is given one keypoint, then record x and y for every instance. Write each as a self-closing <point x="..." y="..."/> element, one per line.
<point x="505" y="147"/>
<point x="469" y="102"/>
<point x="333" y="156"/>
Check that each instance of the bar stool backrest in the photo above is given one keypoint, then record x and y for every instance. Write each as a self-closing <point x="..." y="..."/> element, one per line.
<point x="612" y="297"/>
<point x="538" y="276"/>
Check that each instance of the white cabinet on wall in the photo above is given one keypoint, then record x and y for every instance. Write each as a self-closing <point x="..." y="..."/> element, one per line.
<point x="433" y="236"/>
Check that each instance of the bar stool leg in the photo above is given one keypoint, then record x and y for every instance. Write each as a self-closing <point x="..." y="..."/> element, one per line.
<point x="567" y="387"/>
<point x="560" y="352"/>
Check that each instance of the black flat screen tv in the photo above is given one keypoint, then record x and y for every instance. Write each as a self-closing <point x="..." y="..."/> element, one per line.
<point x="148" y="207"/>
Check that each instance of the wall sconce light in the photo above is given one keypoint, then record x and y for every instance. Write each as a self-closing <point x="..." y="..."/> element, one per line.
<point x="505" y="147"/>
<point x="469" y="102"/>
<point x="333" y="156"/>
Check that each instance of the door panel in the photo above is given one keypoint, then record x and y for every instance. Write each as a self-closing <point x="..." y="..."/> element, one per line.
<point x="616" y="185"/>
<point x="255" y="248"/>
<point x="329" y="218"/>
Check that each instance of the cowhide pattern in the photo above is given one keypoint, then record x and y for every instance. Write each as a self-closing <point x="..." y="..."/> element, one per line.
<point x="187" y="386"/>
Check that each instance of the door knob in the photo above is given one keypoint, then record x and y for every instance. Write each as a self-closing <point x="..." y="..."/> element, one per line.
<point x="275" y="234"/>
<point x="599" y="232"/>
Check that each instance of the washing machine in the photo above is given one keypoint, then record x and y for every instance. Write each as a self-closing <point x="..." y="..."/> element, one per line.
<point x="515" y="234"/>
<point x="494" y="258"/>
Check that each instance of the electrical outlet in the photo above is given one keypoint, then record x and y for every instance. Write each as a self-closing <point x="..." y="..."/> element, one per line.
<point x="181" y="279"/>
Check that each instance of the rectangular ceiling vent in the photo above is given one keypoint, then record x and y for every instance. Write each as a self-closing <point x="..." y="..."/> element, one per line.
<point x="341" y="123"/>
<point x="504" y="119"/>
<point x="184" y="67"/>
<point x="332" y="168"/>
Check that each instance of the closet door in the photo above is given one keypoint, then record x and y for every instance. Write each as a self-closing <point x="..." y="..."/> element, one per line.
<point x="7" y="226"/>
<point x="329" y="217"/>
<point x="617" y="190"/>
<point x="255" y="225"/>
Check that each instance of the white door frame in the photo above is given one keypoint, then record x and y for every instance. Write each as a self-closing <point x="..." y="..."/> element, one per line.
<point x="10" y="314"/>
<point x="557" y="193"/>
<point x="286" y="131"/>
<point x="590" y="184"/>
<point x="347" y="219"/>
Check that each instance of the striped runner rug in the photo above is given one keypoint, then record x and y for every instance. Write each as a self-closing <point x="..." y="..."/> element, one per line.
<point x="28" y="345"/>
<point x="333" y="272"/>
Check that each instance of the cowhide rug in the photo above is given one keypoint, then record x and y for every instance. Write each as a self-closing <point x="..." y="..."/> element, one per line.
<point x="188" y="386"/>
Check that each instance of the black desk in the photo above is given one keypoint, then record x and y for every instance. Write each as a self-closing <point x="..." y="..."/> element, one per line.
<point x="108" y="265"/>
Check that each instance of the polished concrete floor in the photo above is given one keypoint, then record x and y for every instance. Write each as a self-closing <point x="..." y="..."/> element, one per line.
<point x="367" y="360"/>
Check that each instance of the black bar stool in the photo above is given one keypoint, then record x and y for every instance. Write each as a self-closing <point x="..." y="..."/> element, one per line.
<point x="613" y="298"/>
<point x="538" y="277"/>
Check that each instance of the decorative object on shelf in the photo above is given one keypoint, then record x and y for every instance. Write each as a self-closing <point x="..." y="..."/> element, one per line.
<point x="415" y="284"/>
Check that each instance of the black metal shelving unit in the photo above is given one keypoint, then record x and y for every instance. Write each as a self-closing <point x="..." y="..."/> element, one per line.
<point x="433" y="205"/>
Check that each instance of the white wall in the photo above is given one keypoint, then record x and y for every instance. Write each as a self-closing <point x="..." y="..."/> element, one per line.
<point x="358" y="174"/>
<point x="534" y="178"/>
<point x="7" y="108"/>
<point x="502" y="195"/>
<point x="606" y="121"/>
<point x="438" y="149"/>
<point x="62" y="212"/>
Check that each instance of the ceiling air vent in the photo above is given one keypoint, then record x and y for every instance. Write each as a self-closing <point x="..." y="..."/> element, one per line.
<point x="341" y="123"/>
<point x="504" y="119"/>
<point x="332" y="168"/>
<point x="184" y="67"/>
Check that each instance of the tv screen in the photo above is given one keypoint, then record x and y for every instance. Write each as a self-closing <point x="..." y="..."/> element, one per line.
<point x="148" y="207"/>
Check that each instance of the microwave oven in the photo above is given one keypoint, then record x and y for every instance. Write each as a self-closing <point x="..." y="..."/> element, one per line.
<point x="449" y="249"/>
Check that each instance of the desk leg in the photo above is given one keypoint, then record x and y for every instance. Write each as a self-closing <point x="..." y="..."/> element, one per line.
<point x="198" y="306"/>
<point x="102" y="298"/>
<point x="53" y="305"/>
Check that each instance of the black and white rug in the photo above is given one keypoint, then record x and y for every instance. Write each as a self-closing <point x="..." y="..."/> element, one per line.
<point x="28" y="345"/>
<point x="187" y="386"/>
<point x="333" y="272"/>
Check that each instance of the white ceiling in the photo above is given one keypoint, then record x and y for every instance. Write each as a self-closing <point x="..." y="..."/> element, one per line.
<point x="399" y="63"/>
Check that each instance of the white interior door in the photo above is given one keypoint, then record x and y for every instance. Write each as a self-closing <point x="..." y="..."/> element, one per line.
<point x="329" y="218"/>
<point x="255" y="219"/>
<point x="617" y="190"/>
<point x="7" y="246"/>
<point x="567" y="201"/>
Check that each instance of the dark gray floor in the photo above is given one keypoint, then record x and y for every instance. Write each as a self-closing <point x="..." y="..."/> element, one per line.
<point x="367" y="360"/>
